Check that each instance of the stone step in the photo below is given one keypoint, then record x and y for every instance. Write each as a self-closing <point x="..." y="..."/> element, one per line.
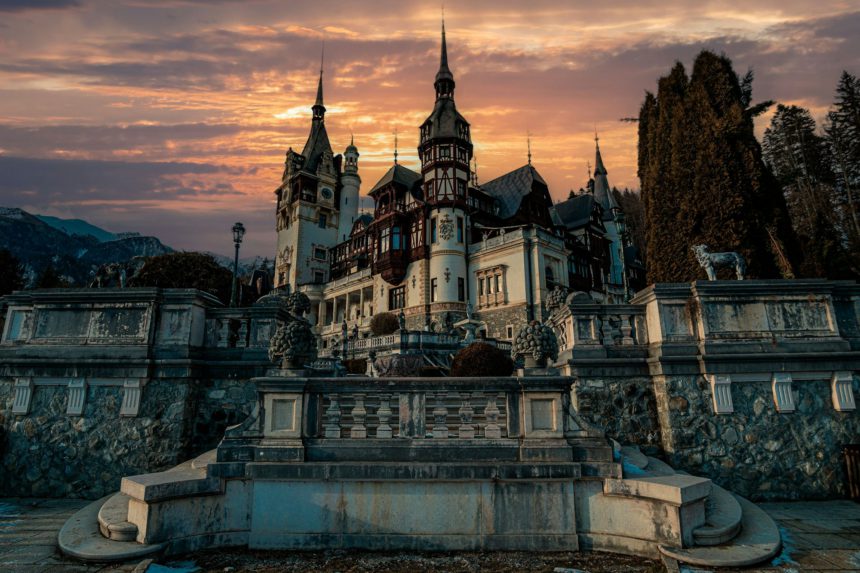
<point x="113" y="519"/>
<point x="658" y="468"/>
<point x="758" y="541"/>
<point x="634" y="457"/>
<point x="80" y="538"/>
<point x="723" y="517"/>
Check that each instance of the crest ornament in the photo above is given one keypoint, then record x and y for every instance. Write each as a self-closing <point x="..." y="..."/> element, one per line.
<point x="446" y="228"/>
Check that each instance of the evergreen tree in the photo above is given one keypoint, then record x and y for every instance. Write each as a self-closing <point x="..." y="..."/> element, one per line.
<point x="11" y="273"/>
<point x="634" y="215"/>
<point x="51" y="279"/>
<point x="800" y="160"/>
<point x="186" y="270"/>
<point x="703" y="177"/>
<point x="843" y="136"/>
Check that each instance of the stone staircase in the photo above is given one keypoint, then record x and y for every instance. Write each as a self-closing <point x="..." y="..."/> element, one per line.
<point x="736" y="532"/>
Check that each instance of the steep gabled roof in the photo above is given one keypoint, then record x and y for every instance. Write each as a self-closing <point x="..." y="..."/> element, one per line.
<point x="602" y="192"/>
<point x="576" y="211"/>
<point x="361" y="223"/>
<point x="316" y="145"/>
<point x="510" y="188"/>
<point x="399" y="175"/>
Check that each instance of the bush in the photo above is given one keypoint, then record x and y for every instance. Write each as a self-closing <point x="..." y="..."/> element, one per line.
<point x="186" y="270"/>
<point x="384" y="323"/>
<point x="355" y="366"/>
<point x="481" y="359"/>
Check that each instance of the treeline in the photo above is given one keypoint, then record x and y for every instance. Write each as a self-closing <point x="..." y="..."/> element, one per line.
<point x="789" y="207"/>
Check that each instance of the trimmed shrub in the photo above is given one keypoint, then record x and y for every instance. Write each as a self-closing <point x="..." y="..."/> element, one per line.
<point x="355" y="365"/>
<point x="384" y="323"/>
<point x="481" y="359"/>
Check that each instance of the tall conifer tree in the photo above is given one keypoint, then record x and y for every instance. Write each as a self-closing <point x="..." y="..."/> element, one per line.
<point x="703" y="178"/>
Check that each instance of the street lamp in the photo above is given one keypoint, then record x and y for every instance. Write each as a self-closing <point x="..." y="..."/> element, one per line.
<point x="238" y="233"/>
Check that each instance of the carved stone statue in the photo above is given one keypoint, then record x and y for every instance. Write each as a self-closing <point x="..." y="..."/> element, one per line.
<point x="536" y="343"/>
<point x="294" y="343"/>
<point x="469" y="310"/>
<point x="401" y="321"/>
<point x="711" y="261"/>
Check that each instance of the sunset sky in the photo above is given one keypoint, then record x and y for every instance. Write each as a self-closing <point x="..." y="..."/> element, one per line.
<point x="172" y="117"/>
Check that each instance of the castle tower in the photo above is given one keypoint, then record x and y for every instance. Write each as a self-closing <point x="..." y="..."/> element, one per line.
<point x="611" y="220"/>
<point x="445" y="151"/>
<point x="307" y="209"/>
<point x="350" y="183"/>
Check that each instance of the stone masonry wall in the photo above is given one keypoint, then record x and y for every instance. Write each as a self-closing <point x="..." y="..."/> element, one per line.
<point x="51" y="454"/>
<point x="757" y="452"/>
<point x="625" y="408"/>
<point x="218" y="404"/>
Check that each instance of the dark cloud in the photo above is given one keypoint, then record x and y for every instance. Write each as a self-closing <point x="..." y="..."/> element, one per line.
<point x="27" y="5"/>
<point x="61" y="181"/>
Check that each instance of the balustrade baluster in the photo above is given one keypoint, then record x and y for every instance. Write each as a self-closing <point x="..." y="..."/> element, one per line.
<point x="440" y="415"/>
<point x="467" y="429"/>
<point x="491" y="412"/>
<point x="359" y="413"/>
<point x="626" y="330"/>
<point x="332" y="427"/>
<point x="383" y="430"/>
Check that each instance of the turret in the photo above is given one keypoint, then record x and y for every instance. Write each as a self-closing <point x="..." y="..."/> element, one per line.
<point x="350" y="182"/>
<point x="446" y="154"/>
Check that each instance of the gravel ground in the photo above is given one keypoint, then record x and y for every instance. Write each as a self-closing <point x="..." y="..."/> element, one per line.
<point x="366" y="562"/>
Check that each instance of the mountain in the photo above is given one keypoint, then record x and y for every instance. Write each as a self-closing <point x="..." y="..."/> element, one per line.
<point x="78" y="227"/>
<point x="75" y="256"/>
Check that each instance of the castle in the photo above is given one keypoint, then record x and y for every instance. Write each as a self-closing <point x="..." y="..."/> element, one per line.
<point x="438" y="243"/>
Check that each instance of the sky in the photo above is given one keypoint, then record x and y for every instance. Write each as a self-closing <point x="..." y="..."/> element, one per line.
<point x="172" y="117"/>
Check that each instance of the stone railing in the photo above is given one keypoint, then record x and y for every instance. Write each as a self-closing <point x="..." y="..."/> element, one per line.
<point x="584" y="326"/>
<point x="348" y="419"/>
<point x="410" y="341"/>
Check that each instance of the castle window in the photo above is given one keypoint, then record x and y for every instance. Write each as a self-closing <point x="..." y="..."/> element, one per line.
<point x="461" y="289"/>
<point x="319" y="277"/>
<point x="319" y="253"/>
<point x="433" y="230"/>
<point x="461" y="188"/>
<point x="509" y="330"/>
<point x="461" y="154"/>
<point x="480" y="287"/>
<point x="384" y="235"/>
<point x="491" y="286"/>
<point x="395" y="239"/>
<point x="323" y="221"/>
<point x="445" y="152"/>
<point x="397" y="298"/>
<point x="433" y="290"/>
<point x="460" y="226"/>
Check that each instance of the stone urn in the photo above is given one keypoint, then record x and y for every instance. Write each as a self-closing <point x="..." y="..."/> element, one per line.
<point x="294" y="344"/>
<point x="536" y="343"/>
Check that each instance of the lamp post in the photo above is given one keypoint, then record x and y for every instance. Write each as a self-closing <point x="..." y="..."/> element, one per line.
<point x="238" y="233"/>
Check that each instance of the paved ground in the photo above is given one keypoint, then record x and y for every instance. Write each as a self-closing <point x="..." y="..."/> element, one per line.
<point x="818" y="536"/>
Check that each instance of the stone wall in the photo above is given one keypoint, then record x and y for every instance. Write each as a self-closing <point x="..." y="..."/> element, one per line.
<point x="756" y="451"/>
<point x="497" y="321"/>
<point x="625" y="408"/>
<point x="51" y="454"/>
<point x="218" y="404"/>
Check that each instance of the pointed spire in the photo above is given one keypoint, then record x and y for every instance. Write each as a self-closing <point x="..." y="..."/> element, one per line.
<point x="319" y="108"/>
<point x="444" y="83"/>
<point x="599" y="169"/>
<point x="395" y="146"/>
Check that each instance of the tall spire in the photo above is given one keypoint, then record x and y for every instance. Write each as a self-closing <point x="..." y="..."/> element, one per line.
<point x="599" y="169"/>
<point x="444" y="83"/>
<point x="319" y="108"/>
<point x="395" y="146"/>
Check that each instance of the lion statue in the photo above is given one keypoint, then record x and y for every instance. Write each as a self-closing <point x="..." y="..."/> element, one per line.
<point x="712" y="261"/>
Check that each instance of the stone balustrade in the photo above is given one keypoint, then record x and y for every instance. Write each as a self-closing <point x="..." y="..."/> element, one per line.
<point x="348" y="419"/>
<point x="409" y="341"/>
<point x="599" y="326"/>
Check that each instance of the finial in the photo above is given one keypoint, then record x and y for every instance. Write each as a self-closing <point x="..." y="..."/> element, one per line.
<point x="475" y="170"/>
<point x="395" y="146"/>
<point x="596" y="138"/>
<point x="319" y="108"/>
<point x="589" y="169"/>
<point x="351" y="137"/>
<point x="529" y="144"/>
